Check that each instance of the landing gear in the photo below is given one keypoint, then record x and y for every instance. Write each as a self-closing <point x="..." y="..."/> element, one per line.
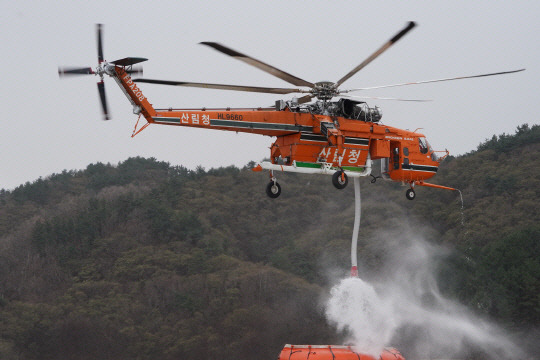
<point x="340" y="180"/>
<point x="410" y="194"/>
<point x="273" y="189"/>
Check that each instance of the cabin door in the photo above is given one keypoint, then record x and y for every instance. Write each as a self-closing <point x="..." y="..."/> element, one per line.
<point x="395" y="155"/>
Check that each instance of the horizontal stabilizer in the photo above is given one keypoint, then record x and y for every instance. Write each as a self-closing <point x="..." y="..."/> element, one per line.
<point x="128" y="61"/>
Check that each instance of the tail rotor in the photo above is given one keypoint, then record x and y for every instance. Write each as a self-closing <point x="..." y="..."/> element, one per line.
<point x="103" y="68"/>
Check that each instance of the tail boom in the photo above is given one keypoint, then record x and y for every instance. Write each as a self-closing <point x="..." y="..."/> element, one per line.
<point x="134" y="94"/>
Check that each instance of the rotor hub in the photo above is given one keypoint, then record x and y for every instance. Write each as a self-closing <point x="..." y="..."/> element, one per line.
<point x="100" y="70"/>
<point x="324" y="90"/>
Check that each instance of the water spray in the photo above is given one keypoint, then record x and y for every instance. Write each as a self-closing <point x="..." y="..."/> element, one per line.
<point x="371" y="316"/>
<point x="462" y="208"/>
<point x="404" y="304"/>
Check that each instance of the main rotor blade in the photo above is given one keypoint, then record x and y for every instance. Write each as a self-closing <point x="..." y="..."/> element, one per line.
<point x="135" y="70"/>
<point x="305" y="99"/>
<point x="382" y="49"/>
<point x="66" y="71"/>
<point x="432" y="81"/>
<point x="223" y="86"/>
<point x="291" y="79"/>
<point x="385" y="98"/>
<point x="101" y="90"/>
<point x="99" y="43"/>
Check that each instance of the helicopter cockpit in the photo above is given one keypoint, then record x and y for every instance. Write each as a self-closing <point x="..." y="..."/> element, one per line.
<point x="425" y="148"/>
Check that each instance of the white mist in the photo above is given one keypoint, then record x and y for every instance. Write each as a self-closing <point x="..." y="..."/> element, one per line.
<point x="355" y="307"/>
<point x="406" y="296"/>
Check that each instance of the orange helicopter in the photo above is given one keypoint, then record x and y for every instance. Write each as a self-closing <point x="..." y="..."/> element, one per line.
<point x="339" y="138"/>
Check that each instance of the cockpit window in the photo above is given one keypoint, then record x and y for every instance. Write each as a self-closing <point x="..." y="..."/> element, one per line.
<point x="424" y="146"/>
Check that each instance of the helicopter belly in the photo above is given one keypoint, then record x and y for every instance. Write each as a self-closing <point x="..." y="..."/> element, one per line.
<point x="315" y="149"/>
<point x="409" y="173"/>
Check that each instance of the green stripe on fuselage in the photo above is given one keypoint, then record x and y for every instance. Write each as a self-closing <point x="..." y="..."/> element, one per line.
<point x="353" y="168"/>
<point x="308" y="165"/>
<point x="318" y="166"/>
<point x="167" y="119"/>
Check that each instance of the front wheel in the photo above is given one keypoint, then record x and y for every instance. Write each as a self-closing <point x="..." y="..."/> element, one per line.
<point x="273" y="189"/>
<point x="410" y="194"/>
<point x="340" y="182"/>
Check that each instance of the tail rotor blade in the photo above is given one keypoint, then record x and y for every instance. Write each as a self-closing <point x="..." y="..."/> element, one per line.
<point x="101" y="90"/>
<point x="99" y="43"/>
<point x="68" y="71"/>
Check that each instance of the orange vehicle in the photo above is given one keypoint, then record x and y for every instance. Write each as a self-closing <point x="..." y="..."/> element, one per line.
<point x="332" y="352"/>
<point x="340" y="138"/>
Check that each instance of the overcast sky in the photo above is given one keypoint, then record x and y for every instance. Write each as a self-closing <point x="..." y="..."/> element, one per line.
<point x="49" y="124"/>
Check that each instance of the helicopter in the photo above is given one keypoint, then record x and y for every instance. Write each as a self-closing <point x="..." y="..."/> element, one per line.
<point x="341" y="138"/>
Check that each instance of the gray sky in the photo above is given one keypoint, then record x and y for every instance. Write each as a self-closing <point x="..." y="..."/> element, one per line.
<point x="49" y="125"/>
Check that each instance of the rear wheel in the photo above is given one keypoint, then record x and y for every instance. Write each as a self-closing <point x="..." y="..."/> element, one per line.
<point x="273" y="189"/>
<point x="410" y="194"/>
<point x="340" y="182"/>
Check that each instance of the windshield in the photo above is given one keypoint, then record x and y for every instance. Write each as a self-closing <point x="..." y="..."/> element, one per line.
<point x="424" y="145"/>
<point x="425" y="148"/>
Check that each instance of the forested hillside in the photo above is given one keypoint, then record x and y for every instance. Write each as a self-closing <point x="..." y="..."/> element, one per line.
<point x="148" y="260"/>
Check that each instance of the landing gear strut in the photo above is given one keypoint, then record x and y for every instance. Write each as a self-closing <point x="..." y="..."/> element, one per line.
<point x="273" y="190"/>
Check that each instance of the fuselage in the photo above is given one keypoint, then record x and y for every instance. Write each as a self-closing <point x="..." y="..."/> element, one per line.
<point x="304" y="139"/>
<point x="332" y="135"/>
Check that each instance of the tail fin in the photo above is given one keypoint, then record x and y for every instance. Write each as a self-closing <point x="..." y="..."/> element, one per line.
<point x="134" y="94"/>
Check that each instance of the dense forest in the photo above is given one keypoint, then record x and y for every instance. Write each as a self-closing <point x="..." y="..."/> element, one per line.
<point x="148" y="260"/>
